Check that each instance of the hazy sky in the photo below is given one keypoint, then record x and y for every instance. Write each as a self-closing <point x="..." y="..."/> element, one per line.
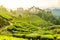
<point x="28" y="3"/>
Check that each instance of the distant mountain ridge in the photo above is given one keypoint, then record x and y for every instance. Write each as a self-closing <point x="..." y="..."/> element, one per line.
<point x="55" y="11"/>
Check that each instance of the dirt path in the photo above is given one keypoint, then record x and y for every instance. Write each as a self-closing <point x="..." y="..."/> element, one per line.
<point x="5" y="27"/>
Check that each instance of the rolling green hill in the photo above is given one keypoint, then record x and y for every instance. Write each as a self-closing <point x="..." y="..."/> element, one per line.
<point x="28" y="25"/>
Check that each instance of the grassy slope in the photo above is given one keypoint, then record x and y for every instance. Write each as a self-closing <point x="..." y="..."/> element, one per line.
<point x="4" y="13"/>
<point x="32" y="22"/>
<point x="29" y="25"/>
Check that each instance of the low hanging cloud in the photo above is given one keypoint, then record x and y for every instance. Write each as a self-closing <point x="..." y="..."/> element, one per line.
<point x="29" y="3"/>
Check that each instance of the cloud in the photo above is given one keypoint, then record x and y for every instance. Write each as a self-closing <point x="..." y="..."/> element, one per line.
<point x="29" y="3"/>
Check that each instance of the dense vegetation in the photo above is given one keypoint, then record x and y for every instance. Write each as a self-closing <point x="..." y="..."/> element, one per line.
<point x="33" y="23"/>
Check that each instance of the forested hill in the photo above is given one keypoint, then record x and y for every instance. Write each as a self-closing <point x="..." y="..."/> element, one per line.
<point x="28" y="23"/>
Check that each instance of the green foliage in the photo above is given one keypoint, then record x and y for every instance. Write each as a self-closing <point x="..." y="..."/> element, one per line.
<point x="2" y="37"/>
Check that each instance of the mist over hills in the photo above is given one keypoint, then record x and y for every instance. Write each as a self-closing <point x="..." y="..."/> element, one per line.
<point x="55" y="11"/>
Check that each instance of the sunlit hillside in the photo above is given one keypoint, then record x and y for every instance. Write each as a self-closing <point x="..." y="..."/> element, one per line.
<point x="34" y="23"/>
